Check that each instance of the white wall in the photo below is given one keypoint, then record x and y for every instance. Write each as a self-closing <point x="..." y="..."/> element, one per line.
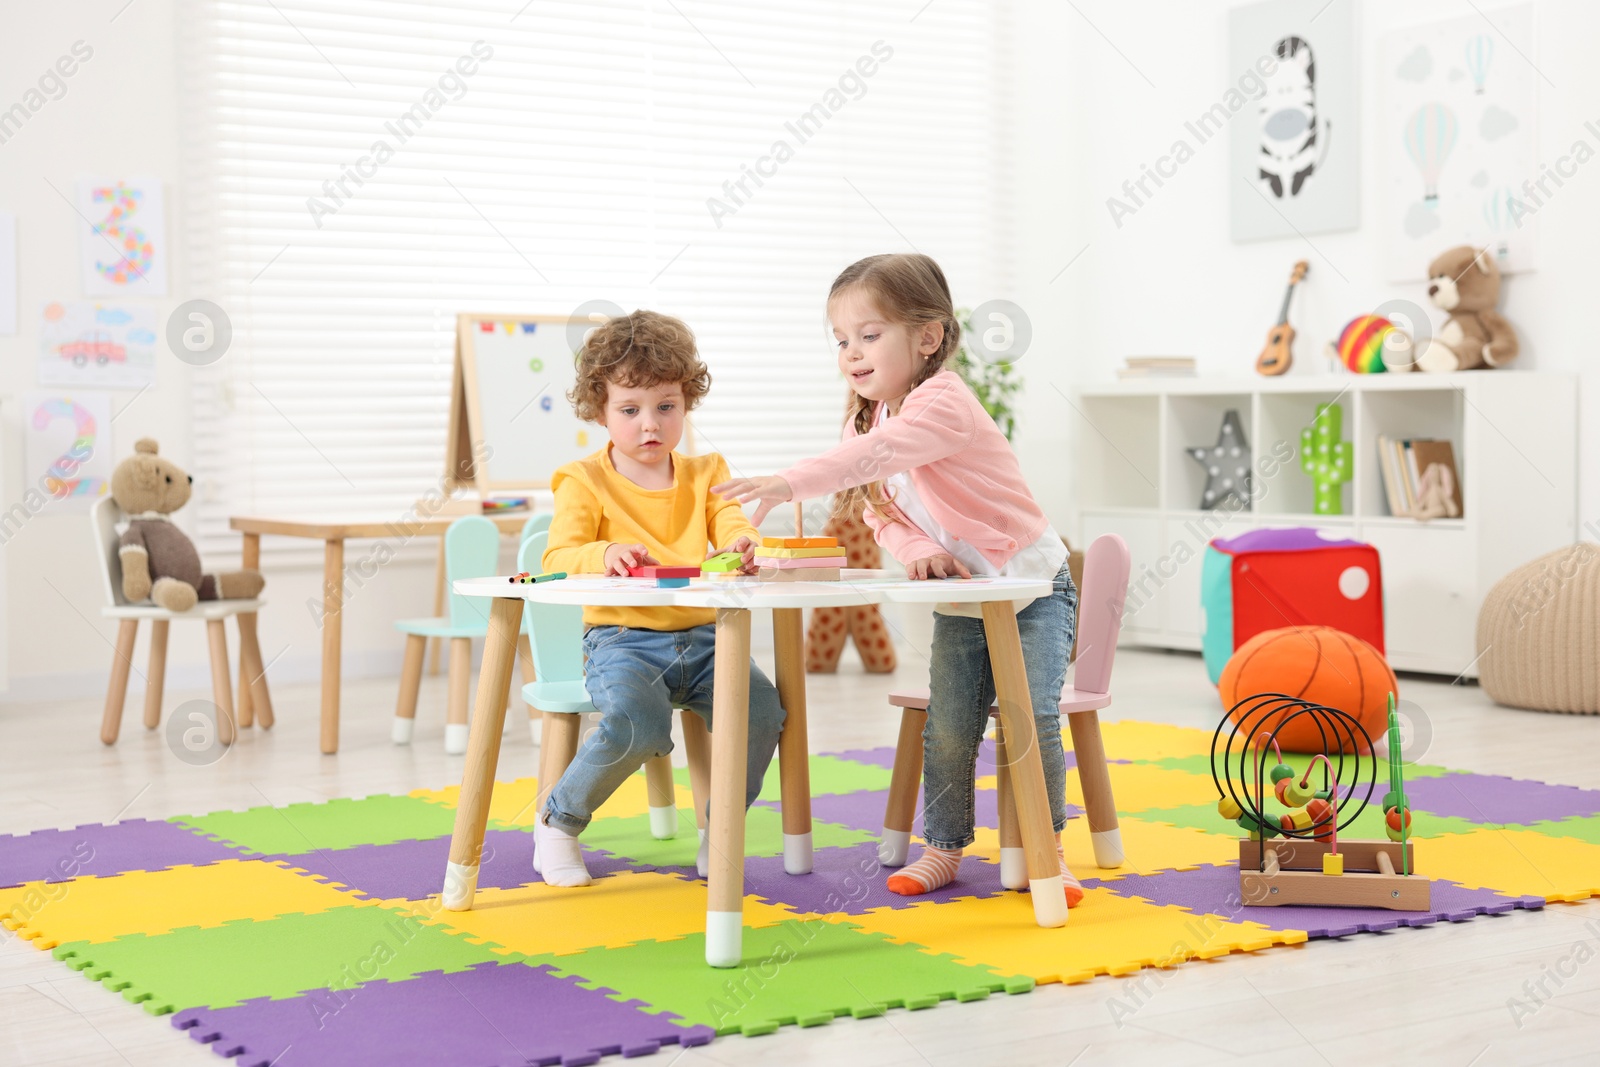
<point x="1169" y="280"/>
<point x="120" y="116"/>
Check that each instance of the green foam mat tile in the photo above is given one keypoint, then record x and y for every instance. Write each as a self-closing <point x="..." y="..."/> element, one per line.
<point x="795" y="973"/>
<point x="1583" y="827"/>
<point x="222" y="966"/>
<point x="333" y="824"/>
<point x="629" y="838"/>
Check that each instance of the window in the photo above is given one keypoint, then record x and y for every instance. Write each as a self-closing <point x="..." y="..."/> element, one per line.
<point x="358" y="171"/>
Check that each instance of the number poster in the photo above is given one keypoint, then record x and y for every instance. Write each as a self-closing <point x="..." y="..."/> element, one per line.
<point x="123" y="240"/>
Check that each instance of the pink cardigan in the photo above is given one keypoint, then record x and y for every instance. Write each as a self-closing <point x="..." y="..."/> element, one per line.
<point x="960" y="464"/>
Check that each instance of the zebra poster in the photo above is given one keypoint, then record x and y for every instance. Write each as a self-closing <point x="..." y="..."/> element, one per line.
<point x="1294" y="164"/>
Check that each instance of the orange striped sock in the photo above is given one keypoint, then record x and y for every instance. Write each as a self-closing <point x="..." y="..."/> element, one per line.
<point x="1074" y="890"/>
<point x="934" y="869"/>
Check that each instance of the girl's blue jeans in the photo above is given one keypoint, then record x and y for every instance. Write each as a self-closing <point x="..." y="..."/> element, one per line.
<point x="962" y="685"/>
<point x="635" y="678"/>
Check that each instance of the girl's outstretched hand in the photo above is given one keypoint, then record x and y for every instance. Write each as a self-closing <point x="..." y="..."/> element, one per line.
<point x="768" y="493"/>
<point x="940" y="566"/>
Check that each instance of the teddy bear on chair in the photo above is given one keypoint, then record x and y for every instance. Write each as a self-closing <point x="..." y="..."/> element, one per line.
<point x="158" y="559"/>
<point x="1465" y="282"/>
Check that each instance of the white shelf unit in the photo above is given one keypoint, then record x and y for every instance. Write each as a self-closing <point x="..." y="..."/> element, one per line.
<point x="1515" y="439"/>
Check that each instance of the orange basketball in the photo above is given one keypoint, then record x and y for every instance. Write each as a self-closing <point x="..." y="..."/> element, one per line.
<point x="1315" y="663"/>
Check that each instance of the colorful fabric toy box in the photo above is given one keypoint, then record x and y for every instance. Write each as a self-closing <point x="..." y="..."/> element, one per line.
<point x="1298" y="576"/>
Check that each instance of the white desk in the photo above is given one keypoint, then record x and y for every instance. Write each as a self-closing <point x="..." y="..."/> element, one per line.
<point x="733" y="600"/>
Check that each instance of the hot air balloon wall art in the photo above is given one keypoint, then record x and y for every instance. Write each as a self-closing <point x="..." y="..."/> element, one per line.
<point x="1294" y="165"/>
<point x="1457" y="143"/>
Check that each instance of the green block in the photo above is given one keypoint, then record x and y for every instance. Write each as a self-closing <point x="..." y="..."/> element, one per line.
<point x="795" y="973"/>
<point x="222" y="966"/>
<point x="829" y="775"/>
<point x="725" y="563"/>
<point x="629" y="838"/>
<point x="339" y="823"/>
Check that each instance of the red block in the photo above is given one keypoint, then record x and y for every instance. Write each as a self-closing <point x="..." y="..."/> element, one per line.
<point x="663" y="572"/>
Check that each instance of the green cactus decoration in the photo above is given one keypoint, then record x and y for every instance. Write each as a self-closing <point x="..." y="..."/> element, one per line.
<point x="1326" y="460"/>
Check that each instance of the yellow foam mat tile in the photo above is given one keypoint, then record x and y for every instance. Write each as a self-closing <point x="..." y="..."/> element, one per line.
<point x="1143" y="787"/>
<point x="155" y="902"/>
<point x="516" y="803"/>
<point x="616" y="911"/>
<point x="1149" y="847"/>
<point x="1148" y="740"/>
<point x="1514" y="861"/>
<point x="1105" y="934"/>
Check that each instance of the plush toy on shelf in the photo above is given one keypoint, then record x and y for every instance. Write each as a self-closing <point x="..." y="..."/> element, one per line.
<point x="158" y="559"/>
<point x="1465" y="282"/>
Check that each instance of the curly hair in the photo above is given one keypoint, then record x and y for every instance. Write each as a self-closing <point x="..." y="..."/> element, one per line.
<point x="637" y="351"/>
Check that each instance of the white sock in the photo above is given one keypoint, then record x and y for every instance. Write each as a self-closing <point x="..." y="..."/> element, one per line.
<point x="560" y="860"/>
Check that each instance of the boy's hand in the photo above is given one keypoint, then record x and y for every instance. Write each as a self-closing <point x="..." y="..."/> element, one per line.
<point x="620" y="557"/>
<point x="939" y="566"/>
<point x="746" y="547"/>
<point x="769" y="492"/>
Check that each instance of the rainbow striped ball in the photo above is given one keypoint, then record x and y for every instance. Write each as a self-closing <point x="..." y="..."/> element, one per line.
<point x="1360" y="344"/>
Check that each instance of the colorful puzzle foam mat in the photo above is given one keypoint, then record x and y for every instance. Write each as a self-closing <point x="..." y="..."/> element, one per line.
<point x="312" y="934"/>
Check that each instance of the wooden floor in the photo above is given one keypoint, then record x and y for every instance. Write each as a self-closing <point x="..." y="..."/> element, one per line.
<point x="1442" y="994"/>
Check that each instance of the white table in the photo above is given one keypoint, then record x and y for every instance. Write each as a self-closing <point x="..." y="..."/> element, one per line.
<point x="733" y="600"/>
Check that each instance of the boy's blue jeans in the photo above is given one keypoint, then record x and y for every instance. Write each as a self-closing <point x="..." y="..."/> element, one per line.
<point x="962" y="685"/>
<point x="635" y="678"/>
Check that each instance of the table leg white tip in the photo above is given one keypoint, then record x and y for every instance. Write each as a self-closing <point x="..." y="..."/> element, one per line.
<point x="724" y="938"/>
<point x="702" y="857"/>
<point x="1014" y="868"/>
<point x="1049" y="901"/>
<point x="663" y="823"/>
<point x="400" y="733"/>
<point x="460" y="884"/>
<point x="455" y="738"/>
<point x="893" y="847"/>
<point x="1107" y="847"/>
<point x="797" y="853"/>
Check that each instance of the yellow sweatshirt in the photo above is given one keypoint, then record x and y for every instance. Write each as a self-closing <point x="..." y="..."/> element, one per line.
<point x="596" y="508"/>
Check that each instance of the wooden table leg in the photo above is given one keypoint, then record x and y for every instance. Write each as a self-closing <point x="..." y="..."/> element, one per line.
<point x="901" y="810"/>
<point x="483" y="754"/>
<point x="794" y="767"/>
<point x="221" y="684"/>
<point x="252" y="674"/>
<point x="436" y="644"/>
<point x="1027" y="769"/>
<point x="730" y="736"/>
<point x="332" y="612"/>
<point x="1095" y="776"/>
<point x="1013" y="858"/>
<point x="250" y="560"/>
<point x="117" y="690"/>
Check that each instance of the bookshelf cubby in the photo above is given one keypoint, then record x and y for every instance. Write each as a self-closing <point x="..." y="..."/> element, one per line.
<point x="1514" y="434"/>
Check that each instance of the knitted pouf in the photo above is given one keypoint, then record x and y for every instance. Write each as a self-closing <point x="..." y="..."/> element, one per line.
<point x="1539" y="634"/>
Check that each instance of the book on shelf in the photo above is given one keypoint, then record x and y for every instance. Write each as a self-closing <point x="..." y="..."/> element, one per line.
<point x="1404" y="463"/>
<point x="1157" y="367"/>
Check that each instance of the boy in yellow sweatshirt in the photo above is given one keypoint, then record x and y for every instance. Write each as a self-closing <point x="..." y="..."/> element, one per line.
<point x="637" y="502"/>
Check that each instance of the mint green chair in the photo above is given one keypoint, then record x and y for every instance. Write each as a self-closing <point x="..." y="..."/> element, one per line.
<point x="536" y="524"/>
<point x="471" y="550"/>
<point x="558" y="694"/>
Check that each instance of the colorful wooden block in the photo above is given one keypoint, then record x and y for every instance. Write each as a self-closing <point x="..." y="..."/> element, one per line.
<point x="799" y="542"/>
<point x="671" y="583"/>
<point x="658" y="571"/>
<point x="801" y="553"/>
<point x="723" y="563"/>
<point x="778" y="563"/>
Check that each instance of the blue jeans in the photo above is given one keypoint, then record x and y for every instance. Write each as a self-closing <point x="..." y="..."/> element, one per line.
<point x="635" y="678"/>
<point x="962" y="685"/>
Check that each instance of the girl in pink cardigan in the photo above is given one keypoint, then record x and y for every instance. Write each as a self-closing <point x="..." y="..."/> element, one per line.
<point x="935" y="479"/>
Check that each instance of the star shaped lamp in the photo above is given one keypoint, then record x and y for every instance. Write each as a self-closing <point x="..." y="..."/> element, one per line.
<point x="1227" y="464"/>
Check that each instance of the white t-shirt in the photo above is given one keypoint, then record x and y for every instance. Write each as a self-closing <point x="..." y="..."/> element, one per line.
<point x="1040" y="560"/>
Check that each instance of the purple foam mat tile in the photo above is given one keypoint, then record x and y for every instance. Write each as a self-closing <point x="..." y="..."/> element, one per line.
<point x="101" y="851"/>
<point x="851" y="881"/>
<point x="414" y="870"/>
<point x="863" y="810"/>
<point x="490" y="1014"/>
<point x="1486" y="798"/>
<point x="1214" y="890"/>
<point x="876" y="757"/>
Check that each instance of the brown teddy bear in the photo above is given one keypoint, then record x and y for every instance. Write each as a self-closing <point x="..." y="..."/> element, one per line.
<point x="1465" y="282"/>
<point x="158" y="559"/>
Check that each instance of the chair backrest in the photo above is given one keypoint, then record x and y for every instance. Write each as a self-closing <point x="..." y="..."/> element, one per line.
<point x="555" y="631"/>
<point x="471" y="550"/>
<point x="105" y="515"/>
<point x="535" y="524"/>
<point x="1100" y="603"/>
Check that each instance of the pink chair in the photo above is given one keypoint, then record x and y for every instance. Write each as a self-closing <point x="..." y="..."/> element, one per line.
<point x="1105" y="589"/>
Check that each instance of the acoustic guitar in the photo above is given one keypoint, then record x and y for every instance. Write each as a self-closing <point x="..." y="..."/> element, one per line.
<point x="1275" y="355"/>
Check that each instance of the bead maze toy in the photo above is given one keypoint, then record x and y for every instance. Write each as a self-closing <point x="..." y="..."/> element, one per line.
<point x="529" y="578"/>
<point x="1311" y="866"/>
<point x="665" y="577"/>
